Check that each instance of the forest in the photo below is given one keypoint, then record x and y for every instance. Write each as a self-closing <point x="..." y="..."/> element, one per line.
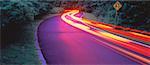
<point x="133" y="14"/>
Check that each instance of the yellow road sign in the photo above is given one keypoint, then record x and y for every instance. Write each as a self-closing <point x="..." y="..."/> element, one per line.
<point x="117" y="5"/>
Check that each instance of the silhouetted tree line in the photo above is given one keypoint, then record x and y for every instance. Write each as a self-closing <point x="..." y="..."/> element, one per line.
<point x="134" y="14"/>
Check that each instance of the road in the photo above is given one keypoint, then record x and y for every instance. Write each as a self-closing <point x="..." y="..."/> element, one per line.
<point x="63" y="44"/>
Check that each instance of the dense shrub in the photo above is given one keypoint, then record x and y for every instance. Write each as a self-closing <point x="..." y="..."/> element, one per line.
<point x="21" y="11"/>
<point x="135" y="14"/>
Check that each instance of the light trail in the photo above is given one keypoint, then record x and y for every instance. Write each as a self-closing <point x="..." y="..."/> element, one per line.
<point x="140" y="35"/>
<point x="132" y="35"/>
<point x="128" y="43"/>
<point x="110" y="38"/>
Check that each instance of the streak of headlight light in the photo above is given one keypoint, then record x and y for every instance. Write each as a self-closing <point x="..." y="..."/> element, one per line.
<point x="114" y="37"/>
<point x="97" y="34"/>
<point x="140" y="34"/>
<point x="84" y="21"/>
<point x="104" y="26"/>
<point x="71" y="22"/>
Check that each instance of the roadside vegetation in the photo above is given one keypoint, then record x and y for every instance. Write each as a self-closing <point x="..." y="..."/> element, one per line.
<point x="19" y="20"/>
<point x="133" y="14"/>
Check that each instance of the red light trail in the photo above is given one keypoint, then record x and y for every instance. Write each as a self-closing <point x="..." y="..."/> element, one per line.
<point x="123" y="42"/>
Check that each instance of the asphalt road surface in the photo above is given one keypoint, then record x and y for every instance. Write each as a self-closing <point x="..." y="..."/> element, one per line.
<point x="63" y="44"/>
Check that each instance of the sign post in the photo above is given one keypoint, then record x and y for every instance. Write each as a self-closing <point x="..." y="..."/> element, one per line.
<point x="117" y="6"/>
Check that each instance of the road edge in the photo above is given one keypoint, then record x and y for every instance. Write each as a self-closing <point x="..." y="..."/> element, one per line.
<point x="39" y="51"/>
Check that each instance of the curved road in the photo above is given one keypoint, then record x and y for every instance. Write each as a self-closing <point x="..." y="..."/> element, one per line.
<point x="64" y="44"/>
